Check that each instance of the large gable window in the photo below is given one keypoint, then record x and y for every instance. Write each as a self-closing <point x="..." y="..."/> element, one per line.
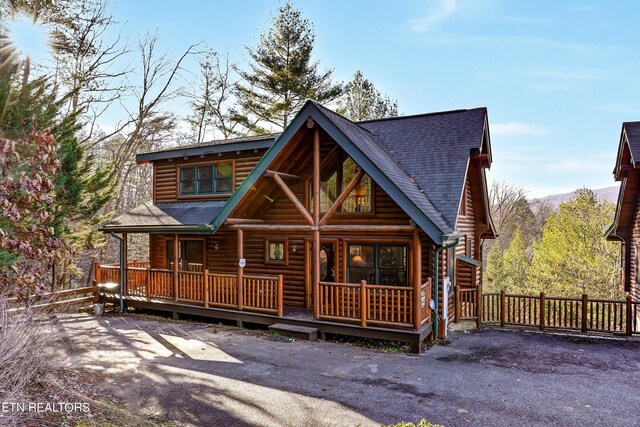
<point x="335" y="176"/>
<point x="210" y="179"/>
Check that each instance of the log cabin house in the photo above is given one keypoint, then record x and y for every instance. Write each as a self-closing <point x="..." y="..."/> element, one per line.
<point x="626" y="223"/>
<point x="348" y="228"/>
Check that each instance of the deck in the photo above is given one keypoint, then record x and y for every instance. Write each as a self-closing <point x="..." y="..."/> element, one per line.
<point x="291" y="316"/>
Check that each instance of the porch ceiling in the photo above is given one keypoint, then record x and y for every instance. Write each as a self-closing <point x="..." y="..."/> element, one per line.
<point x="167" y="217"/>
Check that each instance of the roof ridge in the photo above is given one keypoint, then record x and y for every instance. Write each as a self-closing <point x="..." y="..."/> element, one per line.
<point x="415" y="116"/>
<point x="395" y="159"/>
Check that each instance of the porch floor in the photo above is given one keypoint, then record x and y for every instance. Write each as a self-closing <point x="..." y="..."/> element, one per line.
<point x="292" y="316"/>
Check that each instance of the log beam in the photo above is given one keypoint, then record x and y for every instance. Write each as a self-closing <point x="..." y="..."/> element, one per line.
<point x="299" y="206"/>
<point x="316" y="222"/>
<point x="282" y="175"/>
<point x="342" y="197"/>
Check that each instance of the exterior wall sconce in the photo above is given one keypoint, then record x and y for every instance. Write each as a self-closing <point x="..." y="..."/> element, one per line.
<point x="294" y="248"/>
<point x="216" y="246"/>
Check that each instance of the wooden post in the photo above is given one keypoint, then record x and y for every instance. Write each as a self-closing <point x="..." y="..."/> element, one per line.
<point x="206" y="288"/>
<point x="280" y="295"/>
<point x="479" y="306"/>
<point x="176" y="248"/>
<point x="502" y="306"/>
<point x="457" y="310"/>
<point x="316" y="221"/>
<point x="363" y="303"/>
<point x="125" y="249"/>
<point x="148" y="284"/>
<point x="240" y="284"/>
<point x="629" y="319"/>
<point x="417" y="278"/>
<point x="585" y="305"/>
<point x="97" y="277"/>
<point x="542" y="310"/>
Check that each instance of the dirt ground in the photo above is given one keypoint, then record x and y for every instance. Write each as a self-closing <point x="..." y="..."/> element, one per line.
<point x="209" y="375"/>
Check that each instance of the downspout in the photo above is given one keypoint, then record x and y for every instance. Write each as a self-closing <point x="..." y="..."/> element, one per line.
<point x="121" y="264"/>
<point x="445" y="245"/>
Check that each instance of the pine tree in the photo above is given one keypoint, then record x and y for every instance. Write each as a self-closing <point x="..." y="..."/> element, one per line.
<point x="362" y="101"/>
<point x="282" y="75"/>
<point x="81" y="189"/>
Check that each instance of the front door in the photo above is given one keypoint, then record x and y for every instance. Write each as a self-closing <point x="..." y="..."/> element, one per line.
<point x="328" y="265"/>
<point x="190" y="254"/>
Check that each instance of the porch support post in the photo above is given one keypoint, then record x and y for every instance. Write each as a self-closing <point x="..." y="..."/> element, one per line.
<point x="239" y="284"/>
<point x="176" y="248"/>
<point x="125" y="263"/>
<point x="316" y="221"/>
<point x="417" y="278"/>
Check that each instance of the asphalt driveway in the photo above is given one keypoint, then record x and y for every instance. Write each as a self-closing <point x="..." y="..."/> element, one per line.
<point x="208" y="375"/>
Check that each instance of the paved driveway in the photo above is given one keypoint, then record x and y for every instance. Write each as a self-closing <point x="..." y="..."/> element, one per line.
<point x="212" y="375"/>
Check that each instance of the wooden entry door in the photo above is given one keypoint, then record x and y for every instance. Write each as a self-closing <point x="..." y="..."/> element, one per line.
<point x="328" y="266"/>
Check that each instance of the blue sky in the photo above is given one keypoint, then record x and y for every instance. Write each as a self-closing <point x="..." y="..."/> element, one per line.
<point x="558" y="77"/>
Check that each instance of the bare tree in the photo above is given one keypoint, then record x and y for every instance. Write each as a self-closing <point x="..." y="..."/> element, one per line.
<point x="503" y="201"/>
<point x="212" y="98"/>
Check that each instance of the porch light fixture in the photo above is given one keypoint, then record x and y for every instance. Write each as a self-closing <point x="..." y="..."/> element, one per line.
<point x="216" y="246"/>
<point x="294" y="248"/>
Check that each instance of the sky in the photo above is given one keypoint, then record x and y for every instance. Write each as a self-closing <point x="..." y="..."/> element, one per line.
<point x="558" y="77"/>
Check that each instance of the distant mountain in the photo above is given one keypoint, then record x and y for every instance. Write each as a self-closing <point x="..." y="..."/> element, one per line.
<point x="609" y="193"/>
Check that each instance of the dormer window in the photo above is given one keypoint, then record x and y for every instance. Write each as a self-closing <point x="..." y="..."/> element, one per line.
<point x="209" y="179"/>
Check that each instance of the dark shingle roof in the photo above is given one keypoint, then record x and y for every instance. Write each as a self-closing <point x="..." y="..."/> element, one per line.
<point x="632" y="129"/>
<point x="196" y="215"/>
<point x="374" y="148"/>
<point x="434" y="150"/>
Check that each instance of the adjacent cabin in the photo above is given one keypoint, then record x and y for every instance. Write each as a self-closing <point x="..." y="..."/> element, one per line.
<point x="626" y="224"/>
<point x="351" y="228"/>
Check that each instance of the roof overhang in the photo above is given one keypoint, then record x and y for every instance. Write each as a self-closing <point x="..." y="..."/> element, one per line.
<point x="255" y="143"/>
<point x="179" y="217"/>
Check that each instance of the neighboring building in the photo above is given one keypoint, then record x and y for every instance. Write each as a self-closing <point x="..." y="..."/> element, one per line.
<point x="241" y="215"/>
<point x="626" y="224"/>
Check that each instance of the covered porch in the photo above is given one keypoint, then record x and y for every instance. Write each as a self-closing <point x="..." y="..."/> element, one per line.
<point x="360" y="304"/>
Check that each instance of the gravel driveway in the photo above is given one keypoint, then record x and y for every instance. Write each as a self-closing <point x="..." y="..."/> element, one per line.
<point x="209" y="375"/>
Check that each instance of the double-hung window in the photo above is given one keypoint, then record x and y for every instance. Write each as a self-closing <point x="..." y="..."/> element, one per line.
<point x="211" y="179"/>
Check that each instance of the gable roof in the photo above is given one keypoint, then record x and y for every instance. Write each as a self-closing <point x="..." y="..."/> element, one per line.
<point x="628" y="156"/>
<point x="434" y="150"/>
<point x="382" y="150"/>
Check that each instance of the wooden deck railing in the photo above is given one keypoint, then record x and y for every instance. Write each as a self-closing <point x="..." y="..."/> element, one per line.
<point x="466" y="303"/>
<point x="374" y="304"/>
<point x="563" y="313"/>
<point x="51" y="300"/>
<point x="260" y="293"/>
<point x="394" y="306"/>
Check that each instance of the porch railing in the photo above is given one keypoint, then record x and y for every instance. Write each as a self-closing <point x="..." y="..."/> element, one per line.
<point x="375" y="304"/>
<point x="259" y="293"/>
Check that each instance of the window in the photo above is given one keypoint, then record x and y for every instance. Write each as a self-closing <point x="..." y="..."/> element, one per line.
<point x="276" y="251"/>
<point x="337" y="173"/>
<point x="213" y="179"/>
<point x="190" y="255"/>
<point x="378" y="264"/>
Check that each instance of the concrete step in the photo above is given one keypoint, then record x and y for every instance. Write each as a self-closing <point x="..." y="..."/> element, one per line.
<point x="294" y="331"/>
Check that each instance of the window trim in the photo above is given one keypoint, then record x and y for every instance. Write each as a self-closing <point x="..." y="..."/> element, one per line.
<point x="212" y="194"/>
<point x="376" y="262"/>
<point x="285" y="248"/>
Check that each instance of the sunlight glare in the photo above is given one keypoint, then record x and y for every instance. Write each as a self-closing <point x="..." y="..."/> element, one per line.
<point x="29" y="38"/>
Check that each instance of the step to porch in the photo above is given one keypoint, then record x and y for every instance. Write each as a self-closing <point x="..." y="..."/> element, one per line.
<point x="294" y="331"/>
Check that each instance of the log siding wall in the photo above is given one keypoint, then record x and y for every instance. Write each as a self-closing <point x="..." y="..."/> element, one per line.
<point x="165" y="173"/>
